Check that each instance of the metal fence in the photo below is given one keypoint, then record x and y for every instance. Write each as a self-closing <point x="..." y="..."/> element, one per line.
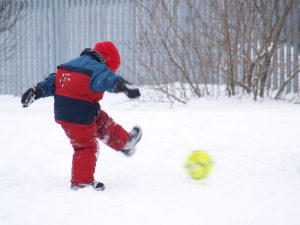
<point x="50" y="32"/>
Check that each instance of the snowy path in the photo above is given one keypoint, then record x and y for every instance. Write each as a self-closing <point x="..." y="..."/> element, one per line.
<point x="256" y="177"/>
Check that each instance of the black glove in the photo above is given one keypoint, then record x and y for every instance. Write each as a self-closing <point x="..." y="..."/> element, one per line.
<point x="31" y="95"/>
<point x="131" y="90"/>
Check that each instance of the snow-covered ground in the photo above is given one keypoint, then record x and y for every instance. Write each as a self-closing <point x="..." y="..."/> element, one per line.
<point x="255" y="181"/>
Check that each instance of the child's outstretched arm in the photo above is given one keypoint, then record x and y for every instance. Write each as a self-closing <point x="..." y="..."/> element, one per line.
<point x="106" y="80"/>
<point x="43" y="89"/>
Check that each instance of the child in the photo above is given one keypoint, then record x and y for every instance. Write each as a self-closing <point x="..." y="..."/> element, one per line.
<point x="77" y="87"/>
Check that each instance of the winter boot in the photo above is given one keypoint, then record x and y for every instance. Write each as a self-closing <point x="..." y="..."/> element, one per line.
<point x="134" y="137"/>
<point x="98" y="186"/>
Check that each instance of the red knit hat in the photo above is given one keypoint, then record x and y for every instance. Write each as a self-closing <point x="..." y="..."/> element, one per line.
<point x="110" y="53"/>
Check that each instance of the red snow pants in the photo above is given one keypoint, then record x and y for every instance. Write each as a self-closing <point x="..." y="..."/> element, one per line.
<point x="83" y="138"/>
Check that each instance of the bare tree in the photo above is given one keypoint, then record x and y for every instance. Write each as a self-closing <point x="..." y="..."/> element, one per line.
<point x="199" y="44"/>
<point x="273" y="16"/>
<point x="249" y="37"/>
<point x="172" y="53"/>
<point x="10" y="12"/>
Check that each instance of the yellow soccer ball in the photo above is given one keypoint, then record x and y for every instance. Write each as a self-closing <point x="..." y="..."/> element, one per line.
<point x="198" y="164"/>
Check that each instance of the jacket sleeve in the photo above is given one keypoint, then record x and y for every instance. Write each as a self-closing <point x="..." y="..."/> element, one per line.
<point x="105" y="80"/>
<point x="48" y="85"/>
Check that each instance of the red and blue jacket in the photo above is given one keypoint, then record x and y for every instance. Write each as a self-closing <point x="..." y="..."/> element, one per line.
<point x="77" y="87"/>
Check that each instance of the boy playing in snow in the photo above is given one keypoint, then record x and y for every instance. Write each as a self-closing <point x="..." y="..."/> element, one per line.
<point x="77" y="87"/>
